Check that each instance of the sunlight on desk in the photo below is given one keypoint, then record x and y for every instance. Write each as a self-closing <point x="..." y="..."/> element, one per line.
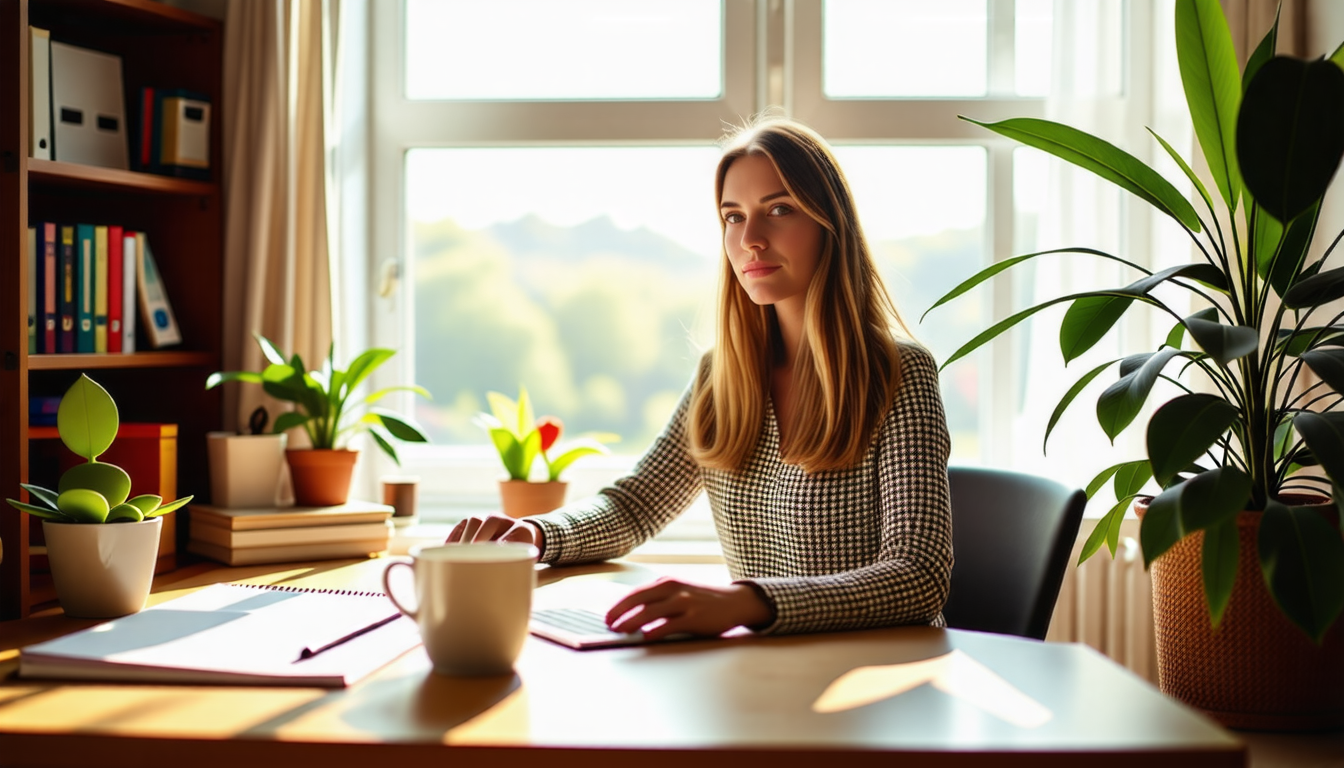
<point x="955" y="674"/>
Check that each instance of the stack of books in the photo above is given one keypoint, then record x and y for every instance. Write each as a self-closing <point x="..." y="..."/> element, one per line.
<point x="289" y="534"/>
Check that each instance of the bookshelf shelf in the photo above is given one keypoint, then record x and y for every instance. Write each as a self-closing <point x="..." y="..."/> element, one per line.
<point x="78" y="362"/>
<point x="52" y="174"/>
<point x="160" y="46"/>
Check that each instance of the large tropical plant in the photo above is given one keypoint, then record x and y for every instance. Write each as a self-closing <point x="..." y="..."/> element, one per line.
<point x="1272" y="137"/>
<point x="325" y="400"/>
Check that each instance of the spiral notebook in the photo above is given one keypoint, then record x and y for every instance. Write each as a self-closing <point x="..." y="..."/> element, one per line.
<point x="240" y="634"/>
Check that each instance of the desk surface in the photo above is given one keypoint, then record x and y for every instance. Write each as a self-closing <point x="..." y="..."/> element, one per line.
<point x="964" y="698"/>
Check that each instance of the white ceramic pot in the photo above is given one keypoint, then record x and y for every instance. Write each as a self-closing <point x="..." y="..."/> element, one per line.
<point x="102" y="571"/>
<point x="246" y="470"/>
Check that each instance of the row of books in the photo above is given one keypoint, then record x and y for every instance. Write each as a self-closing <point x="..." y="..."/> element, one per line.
<point x="236" y="536"/>
<point x="87" y="283"/>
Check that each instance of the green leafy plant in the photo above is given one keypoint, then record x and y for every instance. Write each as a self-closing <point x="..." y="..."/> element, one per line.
<point x="1272" y="137"/>
<point x="323" y="399"/>
<point x="520" y="437"/>
<point x="95" y="491"/>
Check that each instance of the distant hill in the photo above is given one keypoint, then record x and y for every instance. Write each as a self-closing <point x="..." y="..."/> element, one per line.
<point x="532" y="236"/>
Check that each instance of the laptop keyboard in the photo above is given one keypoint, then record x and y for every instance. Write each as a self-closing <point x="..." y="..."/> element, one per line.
<point x="578" y="621"/>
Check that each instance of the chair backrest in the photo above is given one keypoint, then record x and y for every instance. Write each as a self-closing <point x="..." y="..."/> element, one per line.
<point x="1012" y="535"/>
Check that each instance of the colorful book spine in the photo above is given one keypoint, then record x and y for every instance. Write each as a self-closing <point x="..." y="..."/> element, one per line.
<point x="100" y="289"/>
<point x="49" y="316"/>
<point x="84" y="289"/>
<point x="115" y="288"/>
<point x="160" y="324"/>
<point x="130" y="269"/>
<point x="68" y="288"/>
<point x="33" y="282"/>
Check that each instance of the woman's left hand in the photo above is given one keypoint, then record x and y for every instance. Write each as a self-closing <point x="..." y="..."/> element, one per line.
<point x="675" y="607"/>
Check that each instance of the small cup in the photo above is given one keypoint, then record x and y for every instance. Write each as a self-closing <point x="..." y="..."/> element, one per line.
<point x="400" y="493"/>
<point x="473" y="604"/>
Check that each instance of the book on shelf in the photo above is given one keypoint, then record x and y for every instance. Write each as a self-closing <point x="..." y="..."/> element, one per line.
<point x="155" y="311"/>
<point x="352" y="512"/>
<point x="48" y="312"/>
<point x="130" y="247"/>
<point x="100" y="276"/>
<point x="274" y="537"/>
<point x="288" y="553"/>
<point x="84" y="289"/>
<point x="115" y="247"/>
<point x="67" y="288"/>
<point x="33" y="280"/>
<point x="88" y="124"/>
<point x="39" y="93"/>
<point x="242" y="634"/>
<point x="173" y="133"/>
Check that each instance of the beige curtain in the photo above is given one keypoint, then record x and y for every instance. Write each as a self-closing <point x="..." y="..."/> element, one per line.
<point x="278" y="67"/>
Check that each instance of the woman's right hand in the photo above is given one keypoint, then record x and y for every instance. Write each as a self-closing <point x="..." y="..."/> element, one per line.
<point x="495" y="528"/>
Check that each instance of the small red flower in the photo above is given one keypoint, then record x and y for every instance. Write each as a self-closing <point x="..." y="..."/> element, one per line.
<point x="550" y="428"/>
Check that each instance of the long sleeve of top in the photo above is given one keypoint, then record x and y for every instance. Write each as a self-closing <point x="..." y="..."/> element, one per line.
<point x="866" y="546"/>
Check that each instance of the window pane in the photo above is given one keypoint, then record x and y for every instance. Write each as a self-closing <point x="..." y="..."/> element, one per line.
<point x="585" y="274"/>
<point x="903" y="48"/>
<point x="923" y="212"/>
<point x="581" y="49"/>
<point x="1033" y="30"/>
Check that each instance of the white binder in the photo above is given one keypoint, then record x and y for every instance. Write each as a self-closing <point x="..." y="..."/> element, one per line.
<point x="39" y="93"/>
<point x="87" y="112"/>
<point x="155" y="311"/>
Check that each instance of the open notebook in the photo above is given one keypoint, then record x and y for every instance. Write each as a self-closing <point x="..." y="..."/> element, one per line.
<point x="235" y="633"/>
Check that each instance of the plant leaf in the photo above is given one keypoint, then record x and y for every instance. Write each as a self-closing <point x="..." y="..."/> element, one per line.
<point x="87" y="418"/>
<point x="510" y="452"/>
<point x="1203" y="501"/>
<point x="36" y="511"/>
<point x="1102" y="158"/>
<point x="270" y="351"/>
<point x="1294" y="343"/>
<point x="374" y="397"/>
<point x="1290" y="134"/>
<point x="146" y="502"/>
<point x="1328" y="364"/>
<point x="531" y="448"/>
<point x="1068" y="398"/>
<point x="1000" y="266"/>
<point x="1223" y="343"/>
<point x="1302" y="559"/>
<point x="1107" y="531"/>
<point x="1324" y="435"/>
<point x="1285" y="266"/>
<point x="1101" y="478"/>
<point x="217" y="378"/>
<point x="44" y="495"/>
<point x="561" y="463"/>
<point x="1183" y="429"/>
<point x="289" y="420"/>
<point x="1121" y="402"/>
<point x="1186" y="169"/>
<point x="1131" y="477"/>
<point x="1320" y="288"/>
<point x="1221" y="550"/>
<point x="1086" y="322"/>
<point x="502" y="407"/>
<point x="164" y="509"/>
<point x="397" y="427"/>
<point x="1212" y="83"/>
<point x="1263" y="52"/>
<point x="367" y="362"/>
<point x="386" y="447"/>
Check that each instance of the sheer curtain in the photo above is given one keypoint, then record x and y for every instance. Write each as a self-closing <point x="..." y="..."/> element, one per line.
<point x="278" y="83"/>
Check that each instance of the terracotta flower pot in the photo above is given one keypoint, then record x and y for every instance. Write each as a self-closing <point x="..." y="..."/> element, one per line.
<point x="102" y="571"/>
<point x="1257" y="670"/>
<point x="321" y="477"/>
<point x="521" y="498"/>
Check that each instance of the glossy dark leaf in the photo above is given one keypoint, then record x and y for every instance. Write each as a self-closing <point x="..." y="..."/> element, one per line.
<point x="1324" y="435"/>
<point x="289" y="420"/>
<point x="1185" y="168"/>
<point x="1184" y="429"/>
<point x="998" y="267"/>
<point x="1102" y="158"/>
<point x="398" y="427"/>
<point x="386" y="447"/>
<point x="1286" y="264"/>
<point x="1201" y="502"/>
<point x="1262" y="53"/>
<point x="1131" y="477"/>
<point x="1318" y="289"/>
<point x="1290" y="133"/>
<point x="1068" y="399"/>
<point x="1223" y="343"/>
<point x="44" y="495"/>
<point x="1308" y="338"/>
<point x="1086" y="321"/>
<point x="1221" y="550"/>
<point x="1121" y="402"/>
<point x="1212" y="83"/>
<point x="1328" y="364"/>
<point x="1302" y="559"/>
<point x="1107" y="531"/>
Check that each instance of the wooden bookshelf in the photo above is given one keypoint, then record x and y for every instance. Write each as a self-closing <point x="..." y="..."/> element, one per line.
<point x="159" y="46"/>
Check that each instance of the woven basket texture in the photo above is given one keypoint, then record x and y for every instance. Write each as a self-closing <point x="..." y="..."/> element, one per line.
<point x="1257" y="671"/>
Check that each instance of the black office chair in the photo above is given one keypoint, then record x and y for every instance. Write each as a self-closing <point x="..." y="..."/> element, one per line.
<point x="1012" y="535"/>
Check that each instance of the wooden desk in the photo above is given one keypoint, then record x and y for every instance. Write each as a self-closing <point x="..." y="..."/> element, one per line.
<point x="787" y="700"/>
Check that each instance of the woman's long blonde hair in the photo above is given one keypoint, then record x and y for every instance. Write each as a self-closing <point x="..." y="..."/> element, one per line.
<point x="848" y="367"/>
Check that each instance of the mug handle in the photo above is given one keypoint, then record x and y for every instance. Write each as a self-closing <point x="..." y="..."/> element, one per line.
<point x="387" y="586"/>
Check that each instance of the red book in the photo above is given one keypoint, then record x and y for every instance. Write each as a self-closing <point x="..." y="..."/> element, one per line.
<point x="114" y="309"/>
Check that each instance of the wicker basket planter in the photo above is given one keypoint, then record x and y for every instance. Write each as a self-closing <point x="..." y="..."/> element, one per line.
<point x="1257" y="671"/>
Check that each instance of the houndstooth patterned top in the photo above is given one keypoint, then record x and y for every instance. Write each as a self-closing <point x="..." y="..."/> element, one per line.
<point x="867" y="546"/>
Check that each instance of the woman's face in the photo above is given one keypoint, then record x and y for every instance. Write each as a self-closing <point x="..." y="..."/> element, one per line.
<point x="771" y="243"/>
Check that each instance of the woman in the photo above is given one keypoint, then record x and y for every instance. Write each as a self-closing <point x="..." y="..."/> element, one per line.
<point x="818" y="437"/>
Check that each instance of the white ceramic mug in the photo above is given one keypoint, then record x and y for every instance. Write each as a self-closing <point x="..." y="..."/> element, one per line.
<point x="473" y="602"/>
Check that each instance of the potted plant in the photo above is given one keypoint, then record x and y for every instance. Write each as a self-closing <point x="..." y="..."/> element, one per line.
<point x="325" y="406"/>
<point x="1234" y="517"/>
<point x="520" y="438"/>
<point x="102" y="545"/>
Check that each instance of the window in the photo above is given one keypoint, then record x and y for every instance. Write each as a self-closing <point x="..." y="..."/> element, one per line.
<point x="544" y="178"/>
